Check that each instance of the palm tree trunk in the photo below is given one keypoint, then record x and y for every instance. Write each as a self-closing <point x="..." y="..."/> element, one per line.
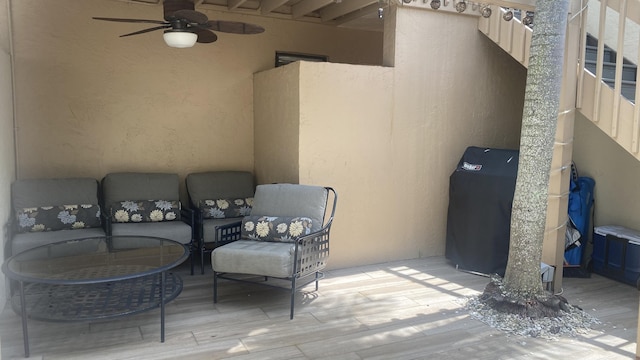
<point x="522" y="279"/>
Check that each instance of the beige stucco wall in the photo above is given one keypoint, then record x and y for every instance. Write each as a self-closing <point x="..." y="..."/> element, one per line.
<point x="616" y="172"/>
<point x="276" y="124"/>
<point x="347" y="141"/>
<point x="454" y="88"/>
<point x="387" y="139"/>
<point x="89" y="102"/>
<point x="7" y="160"/>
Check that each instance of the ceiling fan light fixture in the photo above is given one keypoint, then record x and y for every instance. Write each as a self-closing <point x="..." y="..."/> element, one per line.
<point x="179" y="39"/>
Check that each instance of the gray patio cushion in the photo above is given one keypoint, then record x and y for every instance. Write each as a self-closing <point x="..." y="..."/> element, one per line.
<point x="139" y="186"/>
<point x="291" y="200"/>
<point x="265" y="258"/>
<point x="35" y="193"/>
<point x="27" y="193"/>
<point x="214" y="185"/>
<point x="172" y="230"/>
<point x="27" y="241"/>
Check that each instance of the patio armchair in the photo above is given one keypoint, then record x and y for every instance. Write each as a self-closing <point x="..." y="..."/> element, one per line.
<point x="219" y="200"/>
<point x="46" y="211"/>
<point x="147" y="204"/>
<point x="285" y="237"/>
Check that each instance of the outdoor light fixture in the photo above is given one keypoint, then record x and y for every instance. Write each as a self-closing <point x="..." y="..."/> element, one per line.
<point x="508" y="15"/>
<point x="179" y="39"/>
<point x="435" y="4"/>
<point x="380" y="9"/>
<point x="486" y="11"/>
<point x="461" y="6"/>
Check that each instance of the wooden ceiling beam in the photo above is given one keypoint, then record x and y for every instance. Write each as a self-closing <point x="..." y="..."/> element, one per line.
<point x="234" y="4"/>
<point x="365" y="11"/>
<point x="528" y="5"/>
<point x="308" y="6"/>
<point x="267" y="6"/>
<point x="340" y="9"/>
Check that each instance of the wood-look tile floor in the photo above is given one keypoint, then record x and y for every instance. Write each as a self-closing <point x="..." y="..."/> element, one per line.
<point x="399" y="310"/>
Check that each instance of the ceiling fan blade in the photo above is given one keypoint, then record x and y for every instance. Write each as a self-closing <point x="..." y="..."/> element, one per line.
<point x="190" y="16"/>
<point x="148" y="30"/>
<point x="205" y="36"/>
<point x="234" y="27"/>
<point x="131" y="20"/>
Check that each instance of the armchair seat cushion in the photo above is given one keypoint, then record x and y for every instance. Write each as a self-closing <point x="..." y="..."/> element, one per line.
<point x="275" y="258"/>
<point x="173" y="230"/>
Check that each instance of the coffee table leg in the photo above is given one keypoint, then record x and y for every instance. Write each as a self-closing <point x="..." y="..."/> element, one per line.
<point x="162" y="283"/>
<point x="23" y="311"/>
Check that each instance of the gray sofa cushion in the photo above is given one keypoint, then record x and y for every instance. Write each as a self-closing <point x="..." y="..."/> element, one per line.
<point x="45" y="193"/>
<point x="213" y="185"/>
<point x="28" y="193"/>
<point x="172" y="230"/>
<point x="291" y="200"/>
<point x="25" y="241"/>
<point x="118" y="187"/>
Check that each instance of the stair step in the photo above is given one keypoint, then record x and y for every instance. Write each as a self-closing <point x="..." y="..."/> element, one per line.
<point x="609" y="70"/>
<point x="628" y="89"/>
<point x="592" y="54"/>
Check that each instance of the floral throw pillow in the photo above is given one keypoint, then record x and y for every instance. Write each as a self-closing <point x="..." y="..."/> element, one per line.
<point x="275" y="228"/>
<point x="226" y="208"/>
<point x="63" y="217"/>
<point x="145" y="211"/>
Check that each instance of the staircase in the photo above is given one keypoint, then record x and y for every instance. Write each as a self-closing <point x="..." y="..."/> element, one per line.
<point x="598" y="84"/>
<point x="599" y="99"/>
<point x="629" y="70"/>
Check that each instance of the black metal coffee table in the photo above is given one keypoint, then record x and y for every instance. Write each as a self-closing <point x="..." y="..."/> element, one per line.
<point x="95" y="278"/>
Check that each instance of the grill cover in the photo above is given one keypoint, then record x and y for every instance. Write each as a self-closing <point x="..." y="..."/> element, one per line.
<point x="479" y="216"/>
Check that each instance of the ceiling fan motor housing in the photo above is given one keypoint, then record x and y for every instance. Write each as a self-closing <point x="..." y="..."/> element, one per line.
<point x="171" y="6"/>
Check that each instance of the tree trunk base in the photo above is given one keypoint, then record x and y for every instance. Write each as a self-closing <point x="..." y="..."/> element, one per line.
<point x="544" y="305"/>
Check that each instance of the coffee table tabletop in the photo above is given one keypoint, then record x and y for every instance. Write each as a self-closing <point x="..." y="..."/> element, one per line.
<point x="95" y="278"/>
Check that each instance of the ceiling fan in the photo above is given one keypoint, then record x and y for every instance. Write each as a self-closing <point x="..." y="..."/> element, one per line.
<point x="183" y="26"/>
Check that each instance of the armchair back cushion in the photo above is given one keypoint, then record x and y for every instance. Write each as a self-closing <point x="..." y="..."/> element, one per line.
<point x="291" y="200"/>
<point x="216" y="185"/>
<point x="30" y="193"/>
<point x="120" y="187"/>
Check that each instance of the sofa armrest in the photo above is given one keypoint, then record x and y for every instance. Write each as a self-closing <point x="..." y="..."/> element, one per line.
<point x="9" y="230"/>
<point x="228" y="233"/>
<point x="188" y="216"/>
<point x="106" y="221"/>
